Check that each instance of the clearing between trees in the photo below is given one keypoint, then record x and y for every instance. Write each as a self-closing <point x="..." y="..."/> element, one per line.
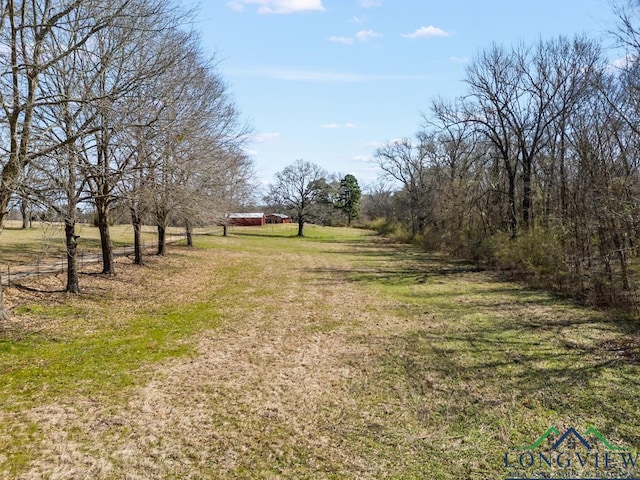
<point x="338" y="355"/>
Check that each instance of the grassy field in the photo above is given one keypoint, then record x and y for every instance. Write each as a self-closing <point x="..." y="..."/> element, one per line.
<point x="46" y="240"/>
<point x="335" y="356"/>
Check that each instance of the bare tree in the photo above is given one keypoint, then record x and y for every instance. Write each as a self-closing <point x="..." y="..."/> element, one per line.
<point x="129" y="54"/>
<point x="546" y="132"/>
<point x="223" y="183"/>
<point x="198" y="146"/>
<point x="62" y="126"/>
<point x="377" y="201"/>
<point x="406" y="162"/>
<point x="27" y="31"/>
<point x="516" y="98"/>
<point x="297" y="188"/>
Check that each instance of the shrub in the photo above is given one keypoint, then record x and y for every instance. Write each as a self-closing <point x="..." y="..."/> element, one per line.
<point x="537" y="256"/>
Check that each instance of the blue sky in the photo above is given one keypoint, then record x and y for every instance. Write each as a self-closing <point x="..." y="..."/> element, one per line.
<point x="328" y="81"/>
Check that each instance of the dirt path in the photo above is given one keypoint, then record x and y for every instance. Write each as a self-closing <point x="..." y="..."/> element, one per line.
<point x="271" y="394"/>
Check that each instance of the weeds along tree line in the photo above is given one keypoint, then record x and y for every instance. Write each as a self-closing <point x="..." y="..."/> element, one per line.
<point x="113" y="102"/>
<point x="535" y="170"/>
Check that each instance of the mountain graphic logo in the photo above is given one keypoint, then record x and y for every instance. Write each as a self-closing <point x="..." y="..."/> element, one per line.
<point x="571" y="434"/>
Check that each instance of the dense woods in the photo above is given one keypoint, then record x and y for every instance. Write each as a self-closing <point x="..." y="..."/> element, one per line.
<point x="534" y="170"/>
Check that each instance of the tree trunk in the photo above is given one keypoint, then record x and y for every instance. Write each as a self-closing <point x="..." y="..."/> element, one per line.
<point x="513" y="216"/>
<point x="413" y="212"/>
<point x="189" y="232"/>
<point x="224" y="230"/>
<point x="563" y="176"/>
<point x="300" y="226"/>
<point x="5" y="197"/>
<point x="26" y="215"/>
<point x="526" y="192"/>
<point x="162" y="240"/>
<point x="19" y="117"/>
<point x="4" y="315"/>
<point x="73" y="284"/>
<point x="136" y="221"/>
<point x="102" y="210"/>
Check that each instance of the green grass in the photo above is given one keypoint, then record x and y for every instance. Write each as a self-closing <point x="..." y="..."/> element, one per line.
<point x="106" y="364"/>
<point x="496" y="364"/>
<point x="423" y="367"/>
<point x="47" y="368"/>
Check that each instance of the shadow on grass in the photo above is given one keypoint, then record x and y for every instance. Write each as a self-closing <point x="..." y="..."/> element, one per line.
<point x="263" y="234"/>
<point x="490" y="348"/>
<point x="323" y="238"/>
<point x="26" y="288"/>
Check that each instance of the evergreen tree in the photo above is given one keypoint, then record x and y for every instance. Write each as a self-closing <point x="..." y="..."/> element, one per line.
<point x="349" y="197"/>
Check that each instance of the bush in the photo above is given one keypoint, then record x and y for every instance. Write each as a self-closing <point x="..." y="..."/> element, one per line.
<point x="537" y="256"/>
<point x="430" y="240"/>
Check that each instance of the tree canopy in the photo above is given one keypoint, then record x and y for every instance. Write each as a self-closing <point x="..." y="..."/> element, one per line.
<point x="349" y="195"/>
<point x="298" y="188"/>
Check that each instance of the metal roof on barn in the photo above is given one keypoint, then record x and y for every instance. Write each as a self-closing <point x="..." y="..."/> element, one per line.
<point x="245" y="215"/>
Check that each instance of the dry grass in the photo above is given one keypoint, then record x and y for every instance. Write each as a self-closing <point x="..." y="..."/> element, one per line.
<point x="46" y="240"/>
<point x="325" y="357"/>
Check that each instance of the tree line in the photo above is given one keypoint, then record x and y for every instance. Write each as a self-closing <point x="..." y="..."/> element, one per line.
<point x="534" y="170"/>
<point x="113" y="103"/>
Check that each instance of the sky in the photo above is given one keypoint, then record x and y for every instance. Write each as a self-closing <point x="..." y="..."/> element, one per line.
<point x="329" y="81"/>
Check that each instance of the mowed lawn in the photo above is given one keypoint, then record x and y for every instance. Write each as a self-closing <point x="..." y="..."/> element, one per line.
<point x="335" y="356"/>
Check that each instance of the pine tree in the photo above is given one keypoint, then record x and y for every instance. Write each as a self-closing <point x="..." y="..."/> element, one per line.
<point x="349" y="197"/>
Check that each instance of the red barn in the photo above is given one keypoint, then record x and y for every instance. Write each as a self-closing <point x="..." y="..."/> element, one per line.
<point x="247" y="219"/>
<point x="278" y="218"/>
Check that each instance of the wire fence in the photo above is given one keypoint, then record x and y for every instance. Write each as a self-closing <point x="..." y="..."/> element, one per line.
<point x="55" y="265"/>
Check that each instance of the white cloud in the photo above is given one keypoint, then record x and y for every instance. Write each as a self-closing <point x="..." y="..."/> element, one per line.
<point x="366" y="35"/>
<point x="236" y="6"/>
<point x="370" y="3"/>
<point x="429" y="31"/>
<point x="362" y="158"/>
<point x="267" y="7"/>
<point x="343" y="40"/>
<point x="265" y="137"/>
<point x="357" y="20"/>
<point x="362" y="36"/>
<point x="350" y="125"/>
<point x="623" y="62"/>
<point x="460" y="59"/>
